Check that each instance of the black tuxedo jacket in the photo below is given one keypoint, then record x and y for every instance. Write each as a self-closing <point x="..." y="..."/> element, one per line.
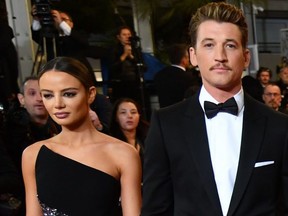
<point x="178" y="174"/>
<point x="171" y="84"/>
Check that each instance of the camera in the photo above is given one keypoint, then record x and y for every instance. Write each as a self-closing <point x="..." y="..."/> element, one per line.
<point x="135" y="42"/>
<point x="43" y="11"/>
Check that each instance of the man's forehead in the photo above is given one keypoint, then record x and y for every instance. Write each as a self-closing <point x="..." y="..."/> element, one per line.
<point x="31" y="84"/>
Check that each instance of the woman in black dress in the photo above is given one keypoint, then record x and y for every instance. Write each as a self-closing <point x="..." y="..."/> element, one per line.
<point x="80" y="171"/>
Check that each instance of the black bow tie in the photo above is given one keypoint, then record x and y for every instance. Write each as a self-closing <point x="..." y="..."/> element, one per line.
<point x="211" y="109"/>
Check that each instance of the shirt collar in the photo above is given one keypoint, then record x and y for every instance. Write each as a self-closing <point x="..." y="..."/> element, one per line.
<point x="205" y="96"/>
<point x="178" y="66"/>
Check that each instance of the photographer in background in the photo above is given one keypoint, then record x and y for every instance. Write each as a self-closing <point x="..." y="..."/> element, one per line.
<point x="125" y="74"/>
<point x="57" y="28"/>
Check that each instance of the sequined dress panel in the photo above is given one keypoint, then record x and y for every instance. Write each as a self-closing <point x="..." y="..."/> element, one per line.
<point x="68" y="188"/>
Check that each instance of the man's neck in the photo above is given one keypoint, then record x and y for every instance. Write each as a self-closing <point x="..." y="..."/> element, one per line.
<point x="40" y="120"/>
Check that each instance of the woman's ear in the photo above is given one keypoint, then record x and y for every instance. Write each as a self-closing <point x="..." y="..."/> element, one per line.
<point x="92" y="94"/>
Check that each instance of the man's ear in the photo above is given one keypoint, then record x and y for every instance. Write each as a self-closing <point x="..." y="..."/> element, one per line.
<point x="247" y="56"/>
<point x="21" y="99"/>
<point x="92" y="94"/>
<point x="192" y="55"/>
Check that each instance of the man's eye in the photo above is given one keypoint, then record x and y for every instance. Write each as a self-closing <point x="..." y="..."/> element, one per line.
<point x="69" y="94"/>
<point x="32" y="93"/>
<point x="231" y="46"/>
<point x="208" y="45"/>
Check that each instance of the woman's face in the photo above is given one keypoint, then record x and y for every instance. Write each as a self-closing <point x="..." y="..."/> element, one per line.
<point x="127" y="116"/>
<point x="65" y="98"/>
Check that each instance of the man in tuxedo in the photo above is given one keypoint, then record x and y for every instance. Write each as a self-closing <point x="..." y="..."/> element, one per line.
<point x="218" y="152"/>
<point x="172" y="81"/>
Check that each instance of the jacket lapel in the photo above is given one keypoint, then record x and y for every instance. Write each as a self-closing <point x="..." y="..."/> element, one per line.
<point x="253" y="129"/>
<point x="197" y="140"/>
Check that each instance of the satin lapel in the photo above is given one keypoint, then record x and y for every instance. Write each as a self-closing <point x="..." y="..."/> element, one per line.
<point x="197" y="141"/>
<point x="252" y="134"/>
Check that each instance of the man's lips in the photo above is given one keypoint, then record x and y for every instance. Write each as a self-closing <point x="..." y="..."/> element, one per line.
<point x="41" y="106"/>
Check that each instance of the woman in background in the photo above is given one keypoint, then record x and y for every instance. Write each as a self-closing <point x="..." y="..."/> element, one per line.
<point x="127" y="124"/>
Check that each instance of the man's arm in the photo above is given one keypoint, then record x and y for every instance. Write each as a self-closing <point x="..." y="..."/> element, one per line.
<point x="157" y="182"/>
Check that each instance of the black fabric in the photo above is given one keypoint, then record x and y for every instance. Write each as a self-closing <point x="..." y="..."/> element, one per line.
<point x="229" y="106"/>
<point x="74" y="189"/>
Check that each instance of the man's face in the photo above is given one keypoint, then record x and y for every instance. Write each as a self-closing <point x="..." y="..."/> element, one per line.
<point x="124" y="36"/>
<point x="220" y="56"/>
<point x="264" y="78"/>
<point x="66" y="18"/>
<point x="284" y="75"/>
<point x="31" y="99"/>
<point x="272" y="96"/>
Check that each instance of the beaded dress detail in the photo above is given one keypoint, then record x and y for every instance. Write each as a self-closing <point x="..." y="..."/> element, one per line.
<point x="68" y="188"/>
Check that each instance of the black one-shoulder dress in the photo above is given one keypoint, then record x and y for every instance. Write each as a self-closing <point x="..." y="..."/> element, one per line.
<point x="67" y="187"/>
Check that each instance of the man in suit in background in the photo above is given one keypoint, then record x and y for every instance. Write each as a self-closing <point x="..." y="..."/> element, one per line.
<point x="218" y="152"/>
<point x="172" y="81"/>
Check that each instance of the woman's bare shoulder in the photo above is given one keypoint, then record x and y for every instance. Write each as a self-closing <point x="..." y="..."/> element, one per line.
<point x="122" y="151"/>
<point x="118" y="145"/>
<point x="32" y="150"/>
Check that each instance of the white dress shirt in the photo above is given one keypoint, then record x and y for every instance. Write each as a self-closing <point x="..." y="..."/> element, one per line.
<point x="224" y="135"/>
<point x="178" y="66"/>
<point x="66" y="29"/>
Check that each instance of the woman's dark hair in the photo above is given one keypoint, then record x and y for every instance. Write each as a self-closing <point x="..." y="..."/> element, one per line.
<point x="70" y="66"/>
<point x="115" y="130"/>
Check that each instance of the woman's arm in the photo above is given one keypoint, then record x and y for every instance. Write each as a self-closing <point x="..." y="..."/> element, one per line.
<point x="131" y="174"/>
<point x="28" y="168"/>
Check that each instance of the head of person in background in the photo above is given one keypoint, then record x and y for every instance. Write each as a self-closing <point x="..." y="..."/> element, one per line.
<point x="264" y="75"/>
<point x="272" y="96"/>
<point x="283" y="75"/>
<point x="179" y="56"/>
<point x="61" y="16"/>
<point x="62" y="20"/>
<point x="124" y="34"/>
<point x="127" y="123"/>
<point x="283" y="63"/>
<point x="30" y="98"/>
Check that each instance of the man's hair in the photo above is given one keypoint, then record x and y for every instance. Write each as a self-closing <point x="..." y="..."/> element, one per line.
<point x="219" y="12"/>
<point x="26" y="80"/>
<point x="120" y="28"/>
<point x="176" y="52"/>
<point x="68" y="15"/>
<point x="262" y="69"/>
<point x="271" y="84"/>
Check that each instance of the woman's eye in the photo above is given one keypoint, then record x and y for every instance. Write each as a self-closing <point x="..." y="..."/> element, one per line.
<point x="69" y="94"/>
<point x="47" y="96"/>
